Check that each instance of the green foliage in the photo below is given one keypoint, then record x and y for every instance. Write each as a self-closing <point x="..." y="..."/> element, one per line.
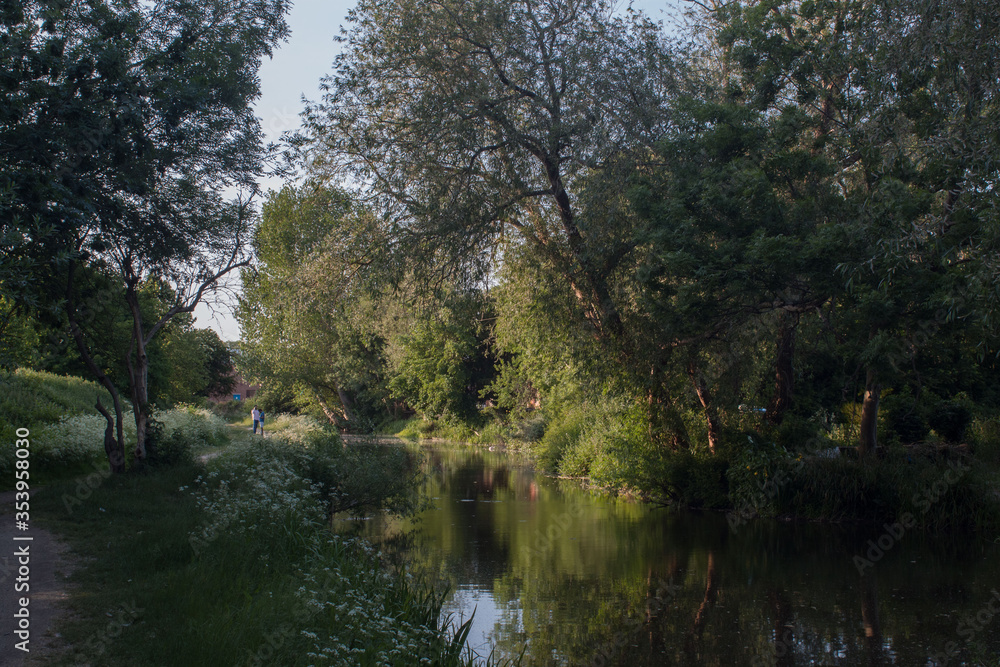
<point x="951" y="419"/>
<point x="308" y="318"/>
<point x="561" y="435"/>
<point x="432" y="375"/>
<point x="750" y="471"/>
<point x="29" y="398"/>
<point x="939" y="495"/>
<point x="686" y="479"/>
<point x="984" y="434"/>
<point x="239" y="560"/>
<point x="182" y="430"/>
<point x="231" y="411"/>
<point x="67" y="433"/>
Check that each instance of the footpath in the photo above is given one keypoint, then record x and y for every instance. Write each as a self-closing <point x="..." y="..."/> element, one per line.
<point x="48" y="567"/>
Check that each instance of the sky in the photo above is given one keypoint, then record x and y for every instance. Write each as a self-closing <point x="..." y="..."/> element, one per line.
<point x="295" y="72"/>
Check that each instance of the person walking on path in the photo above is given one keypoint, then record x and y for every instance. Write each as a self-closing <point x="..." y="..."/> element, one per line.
<point x="262" y="423"/>
<point x="256" y="414"/>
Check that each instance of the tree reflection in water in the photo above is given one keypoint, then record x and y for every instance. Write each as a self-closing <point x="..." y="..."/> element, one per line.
<point x="585" y="580"/>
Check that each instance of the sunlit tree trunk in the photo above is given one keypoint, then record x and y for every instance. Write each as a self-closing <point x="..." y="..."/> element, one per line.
<point x="867" y="441"/>
<point x="711" y="414"/>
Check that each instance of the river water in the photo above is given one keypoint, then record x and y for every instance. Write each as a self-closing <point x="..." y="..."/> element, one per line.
<point x="571" y="578"/>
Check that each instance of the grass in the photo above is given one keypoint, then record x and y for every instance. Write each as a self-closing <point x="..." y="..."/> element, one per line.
<point x="232" y="563"/>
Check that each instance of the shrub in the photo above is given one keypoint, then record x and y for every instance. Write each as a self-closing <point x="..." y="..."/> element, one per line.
<point x="558" y="438"/>
<point x="78" y="439"/>
<point x="73" y="440"/>
<point x="904" y="416"/>
<point x="619" y="438"/>
<point x="749" y="472"/>
<point x="687" y="479"/>
<point x="231" y="410"/>
<point x="950" y="419"/>
<point x="984" y="435"/>
<point x="880" y="491"/>
<point x="44" y="403"/>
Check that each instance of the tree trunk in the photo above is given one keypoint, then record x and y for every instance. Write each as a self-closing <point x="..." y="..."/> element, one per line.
<point x="115" y="449"/>
<point x="867" y="441"/>
<point x="781" y="401"/>
<point x="345" y="415"/>
<point x="138" y="371"/>
<point x="347" y="404"/>
<point x="711" y="416"/>
<point x="118" y="463"/>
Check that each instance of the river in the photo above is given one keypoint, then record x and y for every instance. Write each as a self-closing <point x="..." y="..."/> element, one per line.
<point x="571" y="578"/>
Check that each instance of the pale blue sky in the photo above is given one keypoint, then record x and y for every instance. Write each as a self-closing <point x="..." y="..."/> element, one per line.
<point x="295" y="71"/>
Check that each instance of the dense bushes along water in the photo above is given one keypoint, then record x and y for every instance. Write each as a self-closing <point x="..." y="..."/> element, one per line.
<point x="607" y="445"/>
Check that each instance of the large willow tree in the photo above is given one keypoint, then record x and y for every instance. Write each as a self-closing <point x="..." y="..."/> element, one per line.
<point x="470" y="123"/>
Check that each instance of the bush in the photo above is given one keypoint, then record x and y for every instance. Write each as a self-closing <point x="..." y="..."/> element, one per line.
<point x="78" y="440"/>
<point x="231" y="411"/>
<point x="938" y="494"/>
<point x="750" y="470"/>
<point x="904" y="417"/>
<point x="173" y="434"/>
<point x="984" y="435"/>
<point x="687" y="479"/>
<point x="44" y="403"/>
<point x="951" y="419"/>
<point x="619" y="437"/>
<point x="73" y="441"/>
<point x="559" y="437"/>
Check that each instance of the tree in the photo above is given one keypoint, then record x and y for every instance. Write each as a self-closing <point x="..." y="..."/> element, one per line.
<point x="471" y="123"/>
<point x="161" y="94"/>
<point x="307" y="318"/>
<point x="895" y="96"/>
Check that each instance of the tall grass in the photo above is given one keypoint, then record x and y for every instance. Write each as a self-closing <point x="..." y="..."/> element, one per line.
<point x="234" y="564"/>
<point x="75" y="441"/>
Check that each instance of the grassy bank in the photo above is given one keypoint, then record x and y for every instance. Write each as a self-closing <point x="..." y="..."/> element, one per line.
<point x="67" y="433"/>
<point x="233" y="563"/>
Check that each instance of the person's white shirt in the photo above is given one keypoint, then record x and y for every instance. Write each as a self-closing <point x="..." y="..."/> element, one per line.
<point x="255" y="413"/>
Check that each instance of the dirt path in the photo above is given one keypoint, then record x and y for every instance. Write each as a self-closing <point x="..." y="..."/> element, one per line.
<point x="47" y="594"/>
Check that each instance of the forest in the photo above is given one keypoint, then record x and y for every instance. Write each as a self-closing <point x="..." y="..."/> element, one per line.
<point x="659" y="261"/>
<point x="687" y="332"/>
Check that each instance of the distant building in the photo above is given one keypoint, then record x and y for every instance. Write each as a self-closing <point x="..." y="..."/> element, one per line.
<point x="242" y="391"/>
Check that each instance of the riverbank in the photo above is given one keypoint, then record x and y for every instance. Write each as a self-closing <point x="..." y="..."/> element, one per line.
<point x="232" y="562"/>
<point x="937" y="489"/>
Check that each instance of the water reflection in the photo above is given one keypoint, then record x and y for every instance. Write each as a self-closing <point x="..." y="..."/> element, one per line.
<point x="581" y="580"/>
